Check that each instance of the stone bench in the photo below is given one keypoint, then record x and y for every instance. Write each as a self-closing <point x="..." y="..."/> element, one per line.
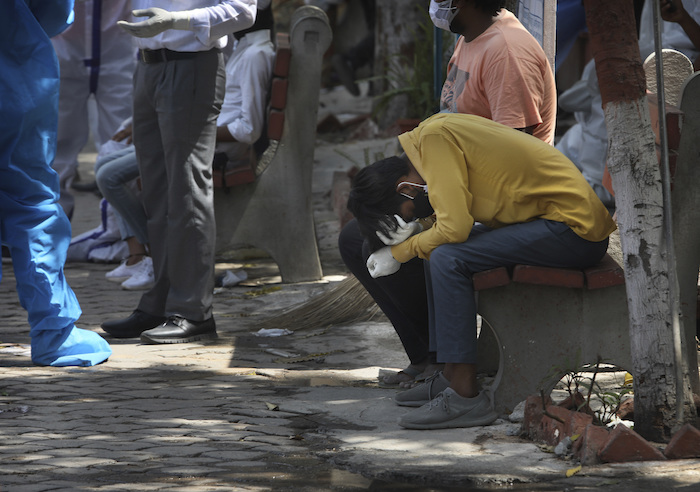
<point x="539" y="323"/>
<point x="272" y="209"/>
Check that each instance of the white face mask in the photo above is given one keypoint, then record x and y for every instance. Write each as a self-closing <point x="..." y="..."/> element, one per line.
<point x="442" y="14"/>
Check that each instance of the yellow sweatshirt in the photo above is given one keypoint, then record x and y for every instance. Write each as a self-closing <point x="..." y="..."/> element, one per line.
<point x="481" y="171"/>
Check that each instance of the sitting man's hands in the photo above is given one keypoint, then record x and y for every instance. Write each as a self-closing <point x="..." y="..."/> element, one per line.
<point x="159" y="20"/>
<point x="381" y="263"/>
<point x="404" y="231"/>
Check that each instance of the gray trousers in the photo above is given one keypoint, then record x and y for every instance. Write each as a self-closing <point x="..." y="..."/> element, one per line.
<point x="176" y="105"/>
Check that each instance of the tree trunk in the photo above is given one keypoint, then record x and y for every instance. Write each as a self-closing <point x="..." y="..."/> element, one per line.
<point x="396" y="30"/>
<point x="636" y="178"/>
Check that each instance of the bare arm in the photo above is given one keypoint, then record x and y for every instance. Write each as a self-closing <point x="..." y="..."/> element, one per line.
<point x="224" y="135"/>
<point x="673" y="11"/>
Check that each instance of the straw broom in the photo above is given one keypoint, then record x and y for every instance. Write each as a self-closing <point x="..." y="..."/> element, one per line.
<point x="346" y="302"/>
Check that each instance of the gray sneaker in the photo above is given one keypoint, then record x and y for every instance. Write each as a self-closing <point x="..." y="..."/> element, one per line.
<point x="423" y="393"/>
<point x="449" y="409"/>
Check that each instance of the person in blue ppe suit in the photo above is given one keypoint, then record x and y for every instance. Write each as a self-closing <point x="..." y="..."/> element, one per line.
<point x="32" y="224"/>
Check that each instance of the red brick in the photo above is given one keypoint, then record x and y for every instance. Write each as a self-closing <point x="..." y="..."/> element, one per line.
<point x="589" y="444"/>
<point x="577" y="423"/>
<point x="573" y="402"/>
<point x="557" y="277"/>
<point x="275" y="125"/>
<point x="278" y="93"/>
<point x="552" y="431"/>
<point x="240" y="173"/>
<point x="685" y="443"/>
<point x="674" y="121"/>
<point x="283" y="55"/>
<point x="605" y="274"/>
<point x="626" y="410"/>
<point x="626" y="445"/>
<point x="533" y="415"/>
<point x="497" y="277"/>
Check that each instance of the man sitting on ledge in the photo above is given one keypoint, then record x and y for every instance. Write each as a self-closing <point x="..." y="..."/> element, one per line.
<point x="500" y="197"/>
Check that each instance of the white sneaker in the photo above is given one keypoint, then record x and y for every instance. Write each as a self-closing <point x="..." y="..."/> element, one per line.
<point x="124" y="271"/>
<point x="143" y="279"/>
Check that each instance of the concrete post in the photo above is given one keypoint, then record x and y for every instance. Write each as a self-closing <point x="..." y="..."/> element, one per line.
<point x="274" y="212"/>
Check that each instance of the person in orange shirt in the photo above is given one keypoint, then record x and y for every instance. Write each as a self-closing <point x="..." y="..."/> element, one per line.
<point x="501" y="73"/>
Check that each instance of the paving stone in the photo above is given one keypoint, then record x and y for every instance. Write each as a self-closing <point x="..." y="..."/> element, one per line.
<point x="188" y="471"/>
<point x="79" y="463"/>
<point x="233" y="455"/>
<point x="135" y="456"/>
<point x="8" y="458"/>
<point x="49" y="485"/>
<point x="179" y="450"/>
<point x="19" y="447"/>
<point x="123" y="444"/>
<point x="239" y="464"/>
<point x="176" y="439"/>
<point x="23" y="468"/>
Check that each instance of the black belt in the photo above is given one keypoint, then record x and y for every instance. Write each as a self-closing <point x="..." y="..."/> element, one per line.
<point x="163" y="55"/>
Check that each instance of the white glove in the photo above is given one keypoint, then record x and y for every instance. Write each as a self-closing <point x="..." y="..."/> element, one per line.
<point x="381" y="263"/>
<point x="159" y="20"/>
<point x="402" y="233"/>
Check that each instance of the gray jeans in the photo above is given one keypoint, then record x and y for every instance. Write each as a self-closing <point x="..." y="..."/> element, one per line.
<point x="176" y="105"/>
<point x="451" y="302"/>
<point x="113" y="173"/>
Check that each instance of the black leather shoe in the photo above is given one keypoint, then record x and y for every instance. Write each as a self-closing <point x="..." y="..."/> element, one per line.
<point x="132" y="326"/>
<point x="180" y="330"/>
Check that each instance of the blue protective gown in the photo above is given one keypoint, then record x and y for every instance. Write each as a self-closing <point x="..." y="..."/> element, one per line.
<point x="32" y="224"/>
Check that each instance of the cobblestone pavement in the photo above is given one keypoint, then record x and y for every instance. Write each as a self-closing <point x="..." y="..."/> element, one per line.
<point x="250" y="413"/>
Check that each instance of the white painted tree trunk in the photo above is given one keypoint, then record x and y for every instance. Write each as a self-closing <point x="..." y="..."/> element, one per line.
<point x="636" y="179"/>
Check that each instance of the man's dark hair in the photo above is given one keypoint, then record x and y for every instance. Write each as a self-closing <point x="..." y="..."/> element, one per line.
<point x="490" y="7"/>
<point x="373" y="198"/>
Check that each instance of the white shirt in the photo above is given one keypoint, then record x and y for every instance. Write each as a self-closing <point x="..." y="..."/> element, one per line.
<point x="248" y="74"/>
<point x="672" y="34"/>
<point x="210" y="21"/>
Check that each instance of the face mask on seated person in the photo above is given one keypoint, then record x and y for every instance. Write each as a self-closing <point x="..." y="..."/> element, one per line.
<point x="422" y="207"/>
<point x="442" y="14"/>
<point x="421" y="204"/>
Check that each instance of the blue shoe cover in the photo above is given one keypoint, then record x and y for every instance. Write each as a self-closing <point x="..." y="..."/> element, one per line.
<point x="69" y="347"/>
